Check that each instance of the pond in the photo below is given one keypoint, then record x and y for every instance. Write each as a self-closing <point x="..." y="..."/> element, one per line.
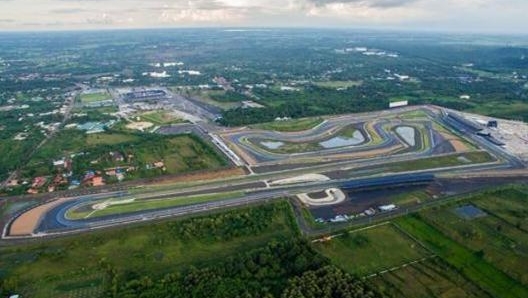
<point x="271" y="144"/>
<point x="342" y="141"/>
<point x="407" y="134"/>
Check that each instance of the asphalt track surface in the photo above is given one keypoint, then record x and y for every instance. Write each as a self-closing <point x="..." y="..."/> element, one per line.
<point x="55" y="222"/>
<point x="248" y="140"/>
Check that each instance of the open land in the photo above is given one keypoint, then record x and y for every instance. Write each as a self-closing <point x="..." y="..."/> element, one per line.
<point x="94" y="97"/>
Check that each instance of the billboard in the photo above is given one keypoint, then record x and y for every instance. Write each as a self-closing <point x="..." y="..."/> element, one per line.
<point x="397" y="104"/>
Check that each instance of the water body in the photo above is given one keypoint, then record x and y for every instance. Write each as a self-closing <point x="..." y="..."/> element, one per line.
<point x="272" y="145"/>
<point x="407" y="134"/>
<point x="341" y="141"/>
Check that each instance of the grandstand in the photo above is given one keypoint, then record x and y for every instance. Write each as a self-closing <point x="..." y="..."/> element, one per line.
<point x="388" y="181"/>
<point x="144" y="95"/>
<point x="466" y="123"/>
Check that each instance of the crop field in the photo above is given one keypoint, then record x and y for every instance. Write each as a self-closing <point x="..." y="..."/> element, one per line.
<point x="509" y="206"/>
<point x="502" y="243"/>
<point x="468" y="262"/>
<point x="440" y="253"/>
<point x="490" y="250"/>
<point x="431" y="278"/>
<point x="372" y="250"/>
<point x="86" y="261"/>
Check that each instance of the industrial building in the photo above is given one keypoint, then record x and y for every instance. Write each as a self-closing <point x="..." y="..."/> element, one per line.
<point x="144" y="95"/>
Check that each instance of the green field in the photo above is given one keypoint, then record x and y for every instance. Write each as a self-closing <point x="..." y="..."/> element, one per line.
<point x="207" y="96"/>
<point x="110" y="139"/>
<point x="413" y="115"/>
<point x="143" y="204"/>
<point x="75" y="265"/>
<point x="94" y="97"/>
<point x="291" y="147"/>
<point x="290" y="125"/>
<point x="441" y="161"/>
<point x="372" y="250"/>
<point x="412" y="197"/>
<point x="338" y="84"/>
<point x="160" y="118"/>
<point x="347" y="132"/>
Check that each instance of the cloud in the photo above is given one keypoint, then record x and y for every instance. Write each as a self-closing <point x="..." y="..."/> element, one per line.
<point x="68" y="10"/>
<point x="367" y="3"/>
<point x="193" y="15"/>
<point x="415" y="14"/>
<point x="102" y="19"/>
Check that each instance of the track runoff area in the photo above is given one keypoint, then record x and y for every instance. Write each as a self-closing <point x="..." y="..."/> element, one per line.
<point x="320" y="166"/>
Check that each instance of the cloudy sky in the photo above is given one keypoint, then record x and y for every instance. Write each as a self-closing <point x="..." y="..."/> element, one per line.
<point x="457" y="15"/>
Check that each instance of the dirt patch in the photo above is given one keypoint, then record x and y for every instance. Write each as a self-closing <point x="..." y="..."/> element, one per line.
<point x="245" y="156"/>
<point x="444" y="148"/>
<point x="205" y="176"/>
<point x="369" y="153"/>
<point x="459" y="146"/>
<point x="26" y="223"/>
<point x="300" y="179"/>
<point x="139" y="125"/>
<point x="455" y="141"/>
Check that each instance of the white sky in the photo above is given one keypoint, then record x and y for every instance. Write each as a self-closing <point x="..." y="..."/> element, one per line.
<point x="457" y="15"/>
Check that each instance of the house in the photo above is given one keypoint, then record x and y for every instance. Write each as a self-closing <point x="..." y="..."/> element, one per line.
<point x="387" y="208"/>
<point x="117" y="156"/>
<point x="120" y="176"/>
<point x="97" y="181"/>
<point x="59" y="163"/>
<point x="38" y="182"/>
<point x="12" y="183"/>
<point x="88" y="175"/>
<point x="32" y="191"/>
<point x="111" y="172"/>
